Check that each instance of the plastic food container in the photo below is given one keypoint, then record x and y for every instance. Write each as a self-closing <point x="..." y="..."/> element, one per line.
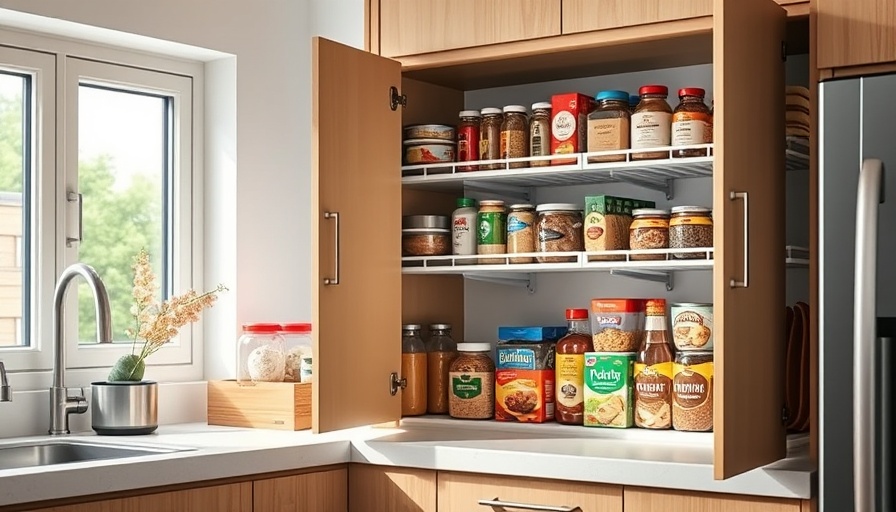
<point x="428" y="151"/>
<point x="617" y="325"/>
<point x="425" y="242"/>
<point x="429" y="131"/>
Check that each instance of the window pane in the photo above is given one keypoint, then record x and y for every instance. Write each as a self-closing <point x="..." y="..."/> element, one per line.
<point x="123" y="160"/>
<point x="14" y="208"/>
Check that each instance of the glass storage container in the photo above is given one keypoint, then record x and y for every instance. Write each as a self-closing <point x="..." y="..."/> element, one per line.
<point x="413" y="371"/>
<point x="649" y="230"/>
<point x="515" y="135"/>
<point x="297" y="344"/>
<point x="691" y="122"/>
<point x="609" y="126"/>
<point x="261" y="354"/>
<point x="472" y="389"/>
<point x="490" y="137"/>
<point x="690" y="227"/>
<point x="652" y="123"/>
<point x="468" y="139"/>
<point x="521" y="231"/>
<point x="540" y="133"/>
<point x="559" y="229"/>
<point x="441" y="351"/>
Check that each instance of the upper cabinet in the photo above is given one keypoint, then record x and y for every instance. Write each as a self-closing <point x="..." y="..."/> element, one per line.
<point x="587" y="15"/>
<point x="855" y="32"/>
<point x="410" y="27"/>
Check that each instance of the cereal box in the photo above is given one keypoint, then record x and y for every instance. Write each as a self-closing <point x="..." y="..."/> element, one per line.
<point x="608" y="389"/>
<point x="569" y="125"/>
<point x="524" y="382"/>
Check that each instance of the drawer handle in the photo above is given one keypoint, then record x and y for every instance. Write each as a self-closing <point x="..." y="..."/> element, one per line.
<point x="335" y="217"/>
<point x="746" y="282"/>
<point x="496" y="503"/>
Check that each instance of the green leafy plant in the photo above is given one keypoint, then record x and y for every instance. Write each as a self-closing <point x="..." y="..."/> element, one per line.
<point x="156" y="323"/>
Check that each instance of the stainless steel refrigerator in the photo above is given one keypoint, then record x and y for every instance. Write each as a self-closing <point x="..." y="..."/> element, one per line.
<point x="857" y="293"/>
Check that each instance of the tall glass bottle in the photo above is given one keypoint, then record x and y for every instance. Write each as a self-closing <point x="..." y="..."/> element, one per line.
<point x="653" y="371"/>
<point x="413" y="370"/>
<point x="570" y="368"/>
<point x="441" y="350"/>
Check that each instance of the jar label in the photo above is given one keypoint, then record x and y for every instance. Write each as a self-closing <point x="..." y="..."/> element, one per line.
<point x="570" y="375"/>
<point x="539" y="141"/>
<point x="492" y="228"/>
<point x="515" y="224"/>
<point x="651" y="129"/>
<point x="483" y="149"/>
<point x="696" y="220"/>
<point x="467" y="385"/>
<point x="608" y="134"/>
<point x="691" y="385"/>
<point x="649" y="223"/>
<point x="564" y="125"/>
<point x="653" y="395"/>
<point x="691" y="128"/>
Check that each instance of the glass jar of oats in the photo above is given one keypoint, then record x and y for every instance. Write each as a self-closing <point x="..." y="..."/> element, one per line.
<point x="649" y="230"/>
<point x="472" y="383"/>
<point x="521" y="231"/>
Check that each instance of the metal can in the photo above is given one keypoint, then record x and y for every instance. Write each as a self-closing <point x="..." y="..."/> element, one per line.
<point x="692" y="326"/>
<point x="692" y="391"/>
<point x="491" y="234"/>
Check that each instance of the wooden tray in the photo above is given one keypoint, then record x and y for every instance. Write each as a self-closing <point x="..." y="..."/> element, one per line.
<point x="274" y="405"/>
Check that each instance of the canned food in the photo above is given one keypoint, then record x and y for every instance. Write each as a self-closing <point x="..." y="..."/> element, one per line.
<point x="692" y="326"/>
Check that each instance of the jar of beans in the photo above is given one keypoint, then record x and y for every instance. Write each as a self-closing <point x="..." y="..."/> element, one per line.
<point x="490" y="137"/>
<point x="521" y="231"/>
<point x="690" y="227"/>
<point x="468" y="139"/>
<point x="559" y="229"/>
<point x="515" y="135"/>
<point x="649" y="230"/>
<point x="472" y="383"/>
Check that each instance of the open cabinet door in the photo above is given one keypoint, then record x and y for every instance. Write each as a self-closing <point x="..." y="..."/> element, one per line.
<point x="356" y="201"/>
<point x="748" y="211"/>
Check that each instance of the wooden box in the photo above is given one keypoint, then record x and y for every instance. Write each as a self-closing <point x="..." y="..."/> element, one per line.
<point x="276" y="405"/>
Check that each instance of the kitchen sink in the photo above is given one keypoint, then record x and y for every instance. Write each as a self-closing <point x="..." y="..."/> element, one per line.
<point x="47" y="453"/>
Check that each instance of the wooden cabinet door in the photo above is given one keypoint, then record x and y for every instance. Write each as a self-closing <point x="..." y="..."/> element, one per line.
<point x="587" y="15"/>
<point x="321" y="491"/>
<point x="461" y="492"/>
<point x="410" y="27"/>
<point x="748" y="82"/>
<point x="855" y="32"/>
<point x="382" y="489"/>
<point x="356" y="160"/>
<point x="220" y="498"/>
<point x="650" y="500"/>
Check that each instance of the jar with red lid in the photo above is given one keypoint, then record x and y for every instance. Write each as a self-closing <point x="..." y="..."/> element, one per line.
<point x="468" y="139"/>
<point x="652" y="123"/>
<point x="691" y="122"/>
<point x="297" y="344"/>
<point x="261" y="354"/>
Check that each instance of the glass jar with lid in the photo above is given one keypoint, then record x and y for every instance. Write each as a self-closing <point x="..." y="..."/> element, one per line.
<point x="413" y="371"/>
<point x="261" y="354"/>
<point x="540" y="133"/>
<point x="490" y="137"/>
<point x="472" y="389"/>
<point x="652" y="122"/>
<point x="515" y="135"/>
<point x="633" y="101"/>
<point x="468" y="139"/>
<point x="649" y="230"/>
<point x="609" y="126"/>
<point x="691" y="122"/>
<point x="491" y="233"/>
<point x="297" y="344"/>
<point x="441" y="351"/>
<point x="521" y="231"/>
<point x="559" y="228"/>
<point x="690" y="227"/>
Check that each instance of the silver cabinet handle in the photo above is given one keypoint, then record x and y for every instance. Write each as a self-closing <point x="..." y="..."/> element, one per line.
<point x="335" y="217"/>
<point x="746" y="282"/>
<point x="496" y="503"/>
<point x="76" y="197"/>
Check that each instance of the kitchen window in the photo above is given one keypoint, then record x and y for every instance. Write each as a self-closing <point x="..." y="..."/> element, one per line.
<point x="98" y="159"/>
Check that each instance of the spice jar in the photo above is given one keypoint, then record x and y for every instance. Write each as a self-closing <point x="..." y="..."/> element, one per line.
<point x="608" y="126"/>
<point x="652" y="122"/>
<point x="649" y="230"/>
<point x="490" y="137"/>
<point x="441" y="351"/>
<point x="559" y="229"/>
<point x="653" y="371"/>
<point x="468" y="139"/>
<point x="691" y="122"/>
<point x="692" y="391"/>
<point x="540" y="133"/>
<point x="491" y="233"/>
<point x="261" y="356"/>
<point x="297" y="344"/>
<point x="521" y="231"/>
<point x="515" y="135"/>
<point x="633" y="101"/>
<point x="472" y="387"/>
<point x="690" y="227"/>
<point x="413" y="371"/>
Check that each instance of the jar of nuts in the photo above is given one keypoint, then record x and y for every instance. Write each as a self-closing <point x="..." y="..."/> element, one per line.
<point x="690" y="227"/>
<point x="649" y="230"/>
<point x="521" y="231"/>
<point x="472" y="383"/>
<point x="515" y="135"/>
<point x="560" y="229"/>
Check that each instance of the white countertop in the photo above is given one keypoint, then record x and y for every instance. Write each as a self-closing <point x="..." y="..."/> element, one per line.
<point x="628" y="457"/>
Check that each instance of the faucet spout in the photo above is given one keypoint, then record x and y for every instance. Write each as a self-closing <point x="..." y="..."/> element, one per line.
<point x="61" y="405"/>
<point x="5" y="392"/>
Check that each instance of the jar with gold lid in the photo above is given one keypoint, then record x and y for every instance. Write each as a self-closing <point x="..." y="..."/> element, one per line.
<point x="649" y="230"/>
<point x="690" y="227"/>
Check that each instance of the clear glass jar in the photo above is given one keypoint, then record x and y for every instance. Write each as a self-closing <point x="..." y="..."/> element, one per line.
<point x="690" y="227"/>
<point x="540" y="133"/>
<point x="609" y="126"/>
<point x="472" y="389"/>
<point x="441" y="351"/>
<point x="559" y="229"/>
<point x="515" y="135"/>
<point x="521" y="231"/>
<point x="297" y="344"/>
<point x="691" y="122"/>
<point x="490" y="137"/>
<point x="468" y="139"/>
<point x="261" y="354"/>
<point x="649" y="230"/>
<point x="413" y="371"/>
<point x="491" y="233"/>
<point x="652" y="122"/>
<point x="633" y="101"/>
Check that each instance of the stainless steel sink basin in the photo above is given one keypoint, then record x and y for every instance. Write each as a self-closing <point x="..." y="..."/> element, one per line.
<point x="47" y="453"/>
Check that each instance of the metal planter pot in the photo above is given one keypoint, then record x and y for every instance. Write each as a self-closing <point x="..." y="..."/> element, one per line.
<point x="124" y="408"/>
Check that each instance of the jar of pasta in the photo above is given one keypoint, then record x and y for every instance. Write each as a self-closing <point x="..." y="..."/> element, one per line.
<point x="515" y="135"/>
<point x="560" y="229"/>
<point x="490" y="137"/>
<point x="649" y="230"/>
<point x="652" y="123"/>
<point x="691" y="122"/>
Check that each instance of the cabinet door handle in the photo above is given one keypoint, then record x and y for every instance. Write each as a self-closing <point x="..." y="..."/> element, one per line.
<point x="746" y="282"/>
<point x="335" y="279"/>
<point x="496" y="503"/>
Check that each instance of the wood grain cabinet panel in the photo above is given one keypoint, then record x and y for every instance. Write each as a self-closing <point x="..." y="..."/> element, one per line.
<point x="410" y="27"/>
<point x="587" y="15"/>
<point x="323" y="491"/>
<point x="220" y="498"/>
<point x="650" y="500"/>
<point x="388" y="489"/>
<point x="856" y="32"/>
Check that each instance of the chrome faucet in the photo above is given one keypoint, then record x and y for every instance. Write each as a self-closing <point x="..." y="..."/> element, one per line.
<point x="5" y="392"/>
<point x="61" y="405"/>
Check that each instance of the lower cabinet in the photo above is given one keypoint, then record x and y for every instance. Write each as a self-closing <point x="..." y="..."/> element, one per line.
<point x="385" y="489"/>
<point x="639" y="499"/>
<point x="220" y="498"/>
<point x="322" y="491"/>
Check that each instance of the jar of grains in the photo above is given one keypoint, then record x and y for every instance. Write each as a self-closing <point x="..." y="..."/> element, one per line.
<point x="692" y="391"/>
<point x="515" y="135"/>
<point x="691" y="122"/>
<point x="560" y="229"/>
<point x="413" y="371"/>
<point x="261" y="356"/>
<point x="690" y="227"/>
<point x="490" y="137"/>
<point x="468" y="139"/>
<point x="540" y="133"/>
<point x="649" y="230"/>
<point x="491" y="234"/>
<point x="472" y="387"/>
<point x="608" y="126"/>
<point x="521" y="231"/>
<point x="652" y="122"/>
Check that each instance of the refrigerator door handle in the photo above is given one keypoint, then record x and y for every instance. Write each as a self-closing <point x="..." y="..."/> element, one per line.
<point x="864" y="334"/>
